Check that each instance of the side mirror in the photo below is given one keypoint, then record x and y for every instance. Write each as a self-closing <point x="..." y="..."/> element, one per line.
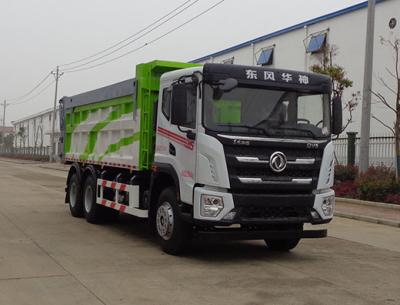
<point x="179" y="105"/>
<point x="217" y="94"/>
<point x="228" y="84"/>
<point x="337" y="120"/>
<point x="224" y="85"/>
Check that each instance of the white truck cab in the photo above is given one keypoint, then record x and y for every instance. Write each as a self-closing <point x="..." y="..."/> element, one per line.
<point x="249" y="146"/>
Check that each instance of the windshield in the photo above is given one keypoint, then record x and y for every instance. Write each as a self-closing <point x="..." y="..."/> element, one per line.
<point x="269" y="112"/>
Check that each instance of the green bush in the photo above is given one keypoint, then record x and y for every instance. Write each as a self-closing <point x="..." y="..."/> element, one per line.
<point x="345" y="173"/>
<point x="346" y="189"/>
<point x="377" y="183"/>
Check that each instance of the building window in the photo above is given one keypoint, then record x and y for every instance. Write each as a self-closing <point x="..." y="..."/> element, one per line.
<point x="316" y="43"/>
<point x="266" y="57"/>
<point x="228" y="61"/>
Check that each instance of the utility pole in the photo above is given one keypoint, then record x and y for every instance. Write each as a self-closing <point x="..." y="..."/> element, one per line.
<point x="366" y="105"/>
<point x="5" y="104"/>
<point x="57" y="76"/>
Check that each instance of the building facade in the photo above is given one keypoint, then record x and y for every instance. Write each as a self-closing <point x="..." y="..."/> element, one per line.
<point x="302" y="45"/>
<point x="34" y="132"/>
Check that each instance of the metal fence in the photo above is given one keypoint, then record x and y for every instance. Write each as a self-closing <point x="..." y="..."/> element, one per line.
<point x="40" y="153"/>
<point x="381" y="150"/>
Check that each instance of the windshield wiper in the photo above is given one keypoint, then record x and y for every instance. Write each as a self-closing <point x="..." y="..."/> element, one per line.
<point x="282" y="127"/>
<point x="256" y="128"/>
<point x="246" y="126"/>
<point x="262" y="122"/>
<point x="294" y="129"/>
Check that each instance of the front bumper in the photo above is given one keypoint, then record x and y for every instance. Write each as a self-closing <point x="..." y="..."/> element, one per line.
<point x="263" y="209"/>
<point x="229" y="234"/>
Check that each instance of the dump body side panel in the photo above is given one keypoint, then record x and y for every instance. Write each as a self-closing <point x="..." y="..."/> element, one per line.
<point x="104" y="133"/>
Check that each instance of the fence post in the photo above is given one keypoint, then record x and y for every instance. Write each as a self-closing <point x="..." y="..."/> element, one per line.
<point x="351" y="148"/>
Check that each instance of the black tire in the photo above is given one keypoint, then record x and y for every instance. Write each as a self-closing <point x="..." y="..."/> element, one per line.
<point x="282" y="244"/>
<point x="75" y="196"/>
<point x="94" y="213"/>
<point x="173" y="233"/>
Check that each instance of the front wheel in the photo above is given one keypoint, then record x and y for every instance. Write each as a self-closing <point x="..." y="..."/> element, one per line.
<point x="282" y="244"/>
<point x="172" y="232"/>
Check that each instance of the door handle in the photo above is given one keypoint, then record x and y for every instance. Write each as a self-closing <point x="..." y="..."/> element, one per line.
<point x="172" y="150"/>
<point x="190" y="135"/>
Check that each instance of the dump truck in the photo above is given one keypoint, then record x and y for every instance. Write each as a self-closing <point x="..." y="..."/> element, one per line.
<point x="205" y="151"/>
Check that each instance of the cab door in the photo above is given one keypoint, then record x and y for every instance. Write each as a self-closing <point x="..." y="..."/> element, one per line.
<point x="176" y="143"/>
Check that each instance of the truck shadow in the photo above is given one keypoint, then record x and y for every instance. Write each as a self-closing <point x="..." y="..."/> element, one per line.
<point x="234" y="251"/>
<point x="214" y="251"/>
<point x="132" y="226"/>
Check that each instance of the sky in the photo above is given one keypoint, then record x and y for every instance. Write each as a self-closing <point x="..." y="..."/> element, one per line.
<point x="36" y="36"/>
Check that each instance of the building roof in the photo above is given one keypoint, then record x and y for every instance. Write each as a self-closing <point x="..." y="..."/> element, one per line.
<point x="301" y="25"/>
<point x="6" y="129"/>
<point x="35" y="115"/>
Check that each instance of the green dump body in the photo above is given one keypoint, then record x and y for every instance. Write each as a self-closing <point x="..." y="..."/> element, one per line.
<point x="113" y="125"/>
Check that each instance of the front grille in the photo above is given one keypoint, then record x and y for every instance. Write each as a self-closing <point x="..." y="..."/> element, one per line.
<point x="237" y="169"/>
<point x="247" y="170"/>
<point x="267" y="151"/>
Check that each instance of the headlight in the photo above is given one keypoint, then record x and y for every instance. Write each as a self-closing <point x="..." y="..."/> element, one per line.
<point x="211" y="206"/>
<point x="328" y="205"/>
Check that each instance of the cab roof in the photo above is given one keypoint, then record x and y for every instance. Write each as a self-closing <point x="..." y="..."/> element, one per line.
<point x="267" y="77"/>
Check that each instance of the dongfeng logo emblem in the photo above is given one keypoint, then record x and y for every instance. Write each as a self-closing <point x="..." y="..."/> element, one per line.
<point x="278" y="162"/>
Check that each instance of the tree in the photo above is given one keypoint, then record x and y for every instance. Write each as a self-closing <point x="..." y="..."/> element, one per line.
<point x="21" y="135"/>
<point x="1" y="137"/>
<point x="392" y="102"/>
<point x="340" y="81"/>
<point x="9" y="141"/>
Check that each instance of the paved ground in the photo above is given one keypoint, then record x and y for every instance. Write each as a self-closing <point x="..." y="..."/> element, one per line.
<point x="48" y="257"/>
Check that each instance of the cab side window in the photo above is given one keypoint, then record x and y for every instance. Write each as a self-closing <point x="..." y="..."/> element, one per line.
<point x="166" y="103"/>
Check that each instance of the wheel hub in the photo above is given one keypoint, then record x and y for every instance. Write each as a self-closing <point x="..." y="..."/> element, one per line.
<point x="88" y="199"/>
<point x="165" y="220"/>
<point x="73" y="194"/>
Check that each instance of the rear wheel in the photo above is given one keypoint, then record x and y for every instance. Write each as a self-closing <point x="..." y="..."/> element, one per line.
<point x="93" y="211"/>
<point x="172" y="232"/>
<point x="75" y="196"/>
<point x="282" y="244"/>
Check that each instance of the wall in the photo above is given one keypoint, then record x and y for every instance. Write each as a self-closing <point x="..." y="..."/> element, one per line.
<point x="37" y="130"/>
